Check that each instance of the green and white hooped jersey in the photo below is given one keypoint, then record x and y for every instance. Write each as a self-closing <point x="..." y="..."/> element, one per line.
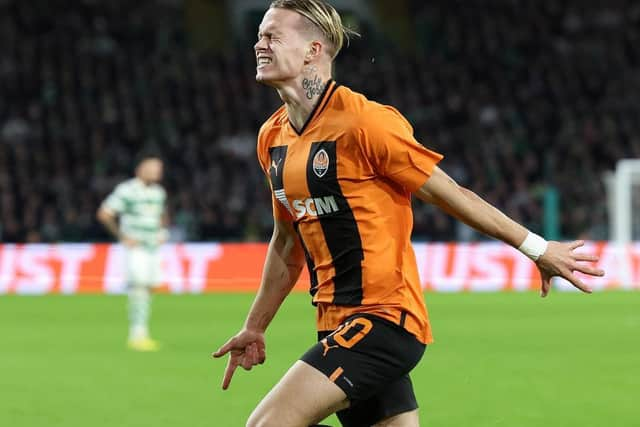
<point x="140" y="208"/>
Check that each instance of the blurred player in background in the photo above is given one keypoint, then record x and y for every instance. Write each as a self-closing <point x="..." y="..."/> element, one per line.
<point x="342" y="170"/>
<point x="135" y="213"/>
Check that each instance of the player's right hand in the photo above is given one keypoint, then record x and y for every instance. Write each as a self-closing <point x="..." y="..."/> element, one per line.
<point x="246" y="349"/>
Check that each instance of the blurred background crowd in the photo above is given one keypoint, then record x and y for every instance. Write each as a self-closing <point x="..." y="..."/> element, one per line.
<point x="529" y="101"/>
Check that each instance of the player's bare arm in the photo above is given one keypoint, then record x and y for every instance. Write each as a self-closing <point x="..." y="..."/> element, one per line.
<point x="283" y="264"/>
<point x="108" y="218"/>
<point x="558" y="259"/>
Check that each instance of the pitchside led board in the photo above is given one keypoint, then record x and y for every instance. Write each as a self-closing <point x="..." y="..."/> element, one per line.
<point x="210" y="267"/>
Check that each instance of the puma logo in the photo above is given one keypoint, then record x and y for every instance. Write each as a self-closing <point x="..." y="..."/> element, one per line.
<point x="327" y="347"/>
<point x="275" y="165"/>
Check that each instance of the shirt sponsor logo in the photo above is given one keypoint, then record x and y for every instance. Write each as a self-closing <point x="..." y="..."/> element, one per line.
<point x="315" y="206"/>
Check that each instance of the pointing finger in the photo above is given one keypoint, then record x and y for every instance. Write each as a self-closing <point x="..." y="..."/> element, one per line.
<point x="224" y="349"/>
<point x="228" y="373"/>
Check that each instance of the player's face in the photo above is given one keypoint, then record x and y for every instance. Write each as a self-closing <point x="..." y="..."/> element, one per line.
<point x="150" y="170"/>
<point x="281" y="47"/>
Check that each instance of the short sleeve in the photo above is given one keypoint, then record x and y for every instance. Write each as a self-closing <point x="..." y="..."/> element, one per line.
<point x="392" y="150"/>
<point x="280" y="212"/>
<point x="116" y="201"/>
<point x="262" y="151"/>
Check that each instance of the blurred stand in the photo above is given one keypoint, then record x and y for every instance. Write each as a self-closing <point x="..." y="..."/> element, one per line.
<point x="530" y="102"/>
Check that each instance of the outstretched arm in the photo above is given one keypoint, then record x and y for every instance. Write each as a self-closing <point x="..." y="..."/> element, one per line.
<point x="282" y="268"/>
<point x="552" y="258"/>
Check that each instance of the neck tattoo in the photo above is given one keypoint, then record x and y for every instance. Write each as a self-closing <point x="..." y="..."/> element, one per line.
<point x="312" y="87"/>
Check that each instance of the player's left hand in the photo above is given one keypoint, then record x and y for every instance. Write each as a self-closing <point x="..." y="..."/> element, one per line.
<point x="561" y="259"/>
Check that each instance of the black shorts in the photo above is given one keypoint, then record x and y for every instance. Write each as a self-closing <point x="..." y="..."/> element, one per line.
<point x="369" y="358"/>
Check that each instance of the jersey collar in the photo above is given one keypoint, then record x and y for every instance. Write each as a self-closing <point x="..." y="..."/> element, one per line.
<point x="328" y="91"/>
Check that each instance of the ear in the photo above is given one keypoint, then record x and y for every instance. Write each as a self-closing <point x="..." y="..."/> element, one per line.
<point x="314" y="50"/>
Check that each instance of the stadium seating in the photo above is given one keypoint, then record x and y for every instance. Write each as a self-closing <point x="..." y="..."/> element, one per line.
<point x="517" y="95"/>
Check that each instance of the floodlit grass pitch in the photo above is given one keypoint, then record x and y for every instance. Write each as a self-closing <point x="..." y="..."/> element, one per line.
<point x="502" y="359"/>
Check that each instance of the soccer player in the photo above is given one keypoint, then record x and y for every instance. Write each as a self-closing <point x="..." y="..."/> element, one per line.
<point x="342" y="170"/>
<point x="135" y="214"/>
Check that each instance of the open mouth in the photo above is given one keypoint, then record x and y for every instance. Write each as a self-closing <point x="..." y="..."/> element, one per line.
<point x="262" y="61"/>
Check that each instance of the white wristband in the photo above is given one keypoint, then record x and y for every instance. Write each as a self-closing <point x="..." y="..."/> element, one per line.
<point x="533" y="246"/>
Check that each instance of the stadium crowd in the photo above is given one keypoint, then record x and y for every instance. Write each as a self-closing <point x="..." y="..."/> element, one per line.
<point x="521" y="97"/>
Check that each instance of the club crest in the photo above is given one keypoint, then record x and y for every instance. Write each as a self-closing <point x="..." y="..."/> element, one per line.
<point x="320" y="163"/>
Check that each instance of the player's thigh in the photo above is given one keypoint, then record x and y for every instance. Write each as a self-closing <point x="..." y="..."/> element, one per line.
<point x="364" y="355"/>
<point x="140" y="266"/>
<point x="406" y="419"/>
<point x="155" y="267"/>
<point x="396" y="399"/>
<point x="134" y="265"/>
<point x="303" y="396"/>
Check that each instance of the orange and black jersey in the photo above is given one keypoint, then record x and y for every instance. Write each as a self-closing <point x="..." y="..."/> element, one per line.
<point x="345" y="181"/>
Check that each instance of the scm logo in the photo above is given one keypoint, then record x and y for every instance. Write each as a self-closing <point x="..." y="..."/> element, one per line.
<point x="315" y="206"/>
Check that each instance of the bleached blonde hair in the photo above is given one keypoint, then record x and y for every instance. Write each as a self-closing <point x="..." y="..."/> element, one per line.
<point x="324" y="17"/>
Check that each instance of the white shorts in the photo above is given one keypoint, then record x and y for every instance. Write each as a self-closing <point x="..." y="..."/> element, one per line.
<point x="143" y="266"/>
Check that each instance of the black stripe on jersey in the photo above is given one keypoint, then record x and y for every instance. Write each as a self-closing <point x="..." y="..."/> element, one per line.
<point x="315" y="107"/>
<point x="313" y="275"/>
<point x="276" y="167"/>
<point x="278" y="156"/>
<point x="339" y="226"/>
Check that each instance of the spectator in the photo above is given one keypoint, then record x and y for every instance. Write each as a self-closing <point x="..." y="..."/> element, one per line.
<point x="521" y="92"/>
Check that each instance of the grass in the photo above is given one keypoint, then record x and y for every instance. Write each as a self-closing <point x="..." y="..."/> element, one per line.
<point x="500" y="359"/>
